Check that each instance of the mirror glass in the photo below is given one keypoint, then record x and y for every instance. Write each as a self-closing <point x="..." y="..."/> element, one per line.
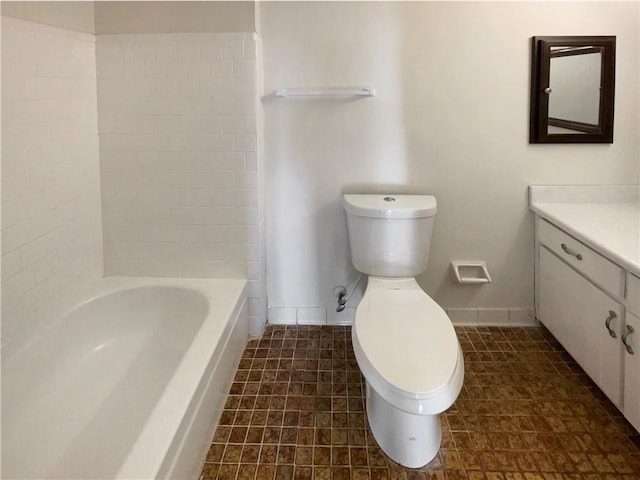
<point x="572" y="90"/>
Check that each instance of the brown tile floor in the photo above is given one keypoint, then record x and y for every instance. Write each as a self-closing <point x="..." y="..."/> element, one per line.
<point x="526" y="412"/>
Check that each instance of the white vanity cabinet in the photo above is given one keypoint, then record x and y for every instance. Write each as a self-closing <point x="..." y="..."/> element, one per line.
<point x="585" y="300"/>
<point x="632" y="356"/>
<point x="580" y="316"/>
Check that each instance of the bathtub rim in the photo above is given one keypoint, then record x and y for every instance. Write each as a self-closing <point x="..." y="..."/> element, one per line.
<point x="149" y="450"/>
<point x="187" y="454"/>
<point x="65" y="304"/>
<point x="148" y="454"/>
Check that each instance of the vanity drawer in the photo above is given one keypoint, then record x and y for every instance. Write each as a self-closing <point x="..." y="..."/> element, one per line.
<point x="593" y="265"/>
<point x="633" y="293"/>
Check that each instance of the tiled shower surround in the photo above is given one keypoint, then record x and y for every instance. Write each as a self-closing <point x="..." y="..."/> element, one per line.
<point x="296" y="410"/>
<point x="178" y="148"/>
<point x="142" y="145"/>
<point x="51" y="223"/>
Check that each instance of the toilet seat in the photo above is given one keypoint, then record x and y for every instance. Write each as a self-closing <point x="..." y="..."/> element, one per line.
<point x="407" y="347"/>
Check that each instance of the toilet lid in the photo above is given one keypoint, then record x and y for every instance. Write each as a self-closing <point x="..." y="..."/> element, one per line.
<point x="408" y="340"/>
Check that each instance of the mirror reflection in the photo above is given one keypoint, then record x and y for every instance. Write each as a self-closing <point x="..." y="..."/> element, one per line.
<point x="574" y="89"/>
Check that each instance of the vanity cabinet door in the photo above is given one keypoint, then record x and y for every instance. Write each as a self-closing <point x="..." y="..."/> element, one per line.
<point x="580" y="316"/>
<point x="632" y="372"/>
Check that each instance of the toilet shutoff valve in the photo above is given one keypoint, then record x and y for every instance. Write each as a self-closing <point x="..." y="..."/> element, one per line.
<point x="341" y="293"/>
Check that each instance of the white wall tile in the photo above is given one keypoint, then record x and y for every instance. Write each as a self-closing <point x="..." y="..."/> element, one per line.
<point x="222" y="68"/>
<point x="346" y="317"/>
<point x="16" y="286"/>
<point x="208" y="87"/>
<point x="232" y="48"/>
<point x="312" y="316"/>
<point x="10" y="264"/>
<point x="225" y="105"/>
<point x="176" y="67"/>
<point x="51" y="222"/>
<point x="250" y="48"/>
<point x="166" y="48"/>
<point x="188" y="48"/>
<point x="172" y="203"/>
<point x="233" y="124"/>
<point x="244" y="68"/>
<point x="173" y="144"/>
<point x="233" y="161"/>
<point x="282" y="316"/>
<point x="211" y="49"/>
<point x="244" y="143"/>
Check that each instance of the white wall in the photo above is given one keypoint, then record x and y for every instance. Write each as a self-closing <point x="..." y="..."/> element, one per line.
<point x="174" y="16"/>
<point x="178" y="147"/>
<point x="51" y="221"/>
<point x="450" y="118"/>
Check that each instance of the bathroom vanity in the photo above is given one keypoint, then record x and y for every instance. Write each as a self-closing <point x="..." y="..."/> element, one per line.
<point x="587" y="282"/>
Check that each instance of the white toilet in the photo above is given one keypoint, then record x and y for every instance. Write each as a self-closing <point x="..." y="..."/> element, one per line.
<point x="403" y="341"/>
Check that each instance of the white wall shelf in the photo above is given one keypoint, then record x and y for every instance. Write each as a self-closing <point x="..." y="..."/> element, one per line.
<point x="325" y="92"/>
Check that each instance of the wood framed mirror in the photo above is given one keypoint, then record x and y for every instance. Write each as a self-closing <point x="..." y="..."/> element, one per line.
<point x="572" y="89"/>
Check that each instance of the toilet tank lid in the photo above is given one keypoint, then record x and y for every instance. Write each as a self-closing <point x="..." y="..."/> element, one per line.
<point x="389" y="205"/>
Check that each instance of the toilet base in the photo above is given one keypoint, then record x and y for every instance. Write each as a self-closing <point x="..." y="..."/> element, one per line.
<point x="408" y="439"/>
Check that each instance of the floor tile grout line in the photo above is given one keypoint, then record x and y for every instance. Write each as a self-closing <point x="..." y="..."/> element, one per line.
<point x="597" y="403"/>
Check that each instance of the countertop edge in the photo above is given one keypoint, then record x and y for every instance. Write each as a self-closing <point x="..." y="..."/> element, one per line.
<point x="608" y="194"/>
<point x="602" y="249"/>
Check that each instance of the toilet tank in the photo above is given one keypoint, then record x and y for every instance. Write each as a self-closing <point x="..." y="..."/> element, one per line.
<point x="390" y="235"/>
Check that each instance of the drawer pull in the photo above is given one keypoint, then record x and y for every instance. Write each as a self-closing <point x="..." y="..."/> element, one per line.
<point x="607" y="323"/>
<point x="629" y="331"/>
<point x="568" y="251"/>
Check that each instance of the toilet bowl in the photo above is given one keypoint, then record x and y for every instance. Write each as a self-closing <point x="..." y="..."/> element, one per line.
<point x="404" y="342"/>
<point x="410" y="357"/>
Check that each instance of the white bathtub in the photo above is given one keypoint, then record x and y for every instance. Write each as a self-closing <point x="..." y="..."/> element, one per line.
<point x="129" y="384"/>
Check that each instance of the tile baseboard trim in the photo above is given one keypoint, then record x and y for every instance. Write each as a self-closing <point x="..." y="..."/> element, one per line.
<point x="491" y="317"/>
<point x="297" y="316"/>
<point x="281" y="316"/>
<point x="485" y="317"/>
<point x="311" y="316"/>
<point x="344" y="318"/>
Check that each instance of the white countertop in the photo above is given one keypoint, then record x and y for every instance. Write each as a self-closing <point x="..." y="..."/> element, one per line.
<point x="605" y="218"/>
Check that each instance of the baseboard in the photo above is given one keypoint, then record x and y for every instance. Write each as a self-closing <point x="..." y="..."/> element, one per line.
<point x="345" y="317"/>
<point x="297" y="316"/>
<point x="504" y="317"/>
<point x="486" y="317"/>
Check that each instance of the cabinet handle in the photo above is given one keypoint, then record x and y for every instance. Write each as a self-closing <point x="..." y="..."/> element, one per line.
<point x="629" y="331"/>
<point x="607" y="323"/>
<point x="568" y="251"/>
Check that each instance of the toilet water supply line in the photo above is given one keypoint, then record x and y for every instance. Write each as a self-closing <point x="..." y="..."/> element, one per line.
<point x="341" y="293"/>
